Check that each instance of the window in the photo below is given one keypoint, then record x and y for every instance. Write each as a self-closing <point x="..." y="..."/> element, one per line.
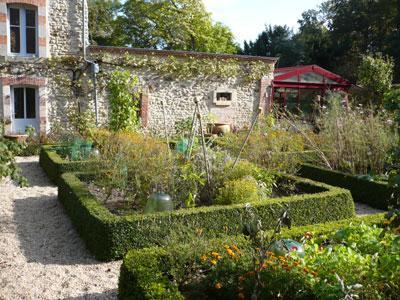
<point x="22" y="30"/>
<point x="224" y="97"/>
<point x="24" y="103"/>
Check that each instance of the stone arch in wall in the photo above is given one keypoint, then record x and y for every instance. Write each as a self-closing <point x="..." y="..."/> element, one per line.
<point x="42" y="25"/>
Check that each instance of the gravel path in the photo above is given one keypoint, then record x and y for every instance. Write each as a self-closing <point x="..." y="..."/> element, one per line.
<point x="41" y="255"/>
<point x="364" y="210"/>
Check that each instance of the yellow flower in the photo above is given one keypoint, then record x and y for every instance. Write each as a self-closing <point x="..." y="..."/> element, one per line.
<point x="203" y="258"/>
<point x="218" y="285"/>
<point x="215" y="254"/>
<point x="214" y="262"/>
<point x="226" y="247"/>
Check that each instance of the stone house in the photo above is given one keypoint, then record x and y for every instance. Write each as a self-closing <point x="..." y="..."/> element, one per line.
<point x="40" y="38"/>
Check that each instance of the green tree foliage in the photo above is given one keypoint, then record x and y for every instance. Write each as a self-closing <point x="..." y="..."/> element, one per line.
<point x="313" y="39"/>
<point x="337" y="34"/>
<point x="275" y="41"/>
<point x="159" y="24"/>
<point x="103" y="21"/>
<point x="376" y="75"/>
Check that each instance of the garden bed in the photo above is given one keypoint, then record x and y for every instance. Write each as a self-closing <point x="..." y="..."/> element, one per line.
<point x="109" y="236"/>
<point x="373" y="193"/>
<point x="54" y="165"/>
<point x="150" y="273"/>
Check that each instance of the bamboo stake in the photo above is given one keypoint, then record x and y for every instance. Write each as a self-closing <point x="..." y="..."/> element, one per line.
<point x="247" y="138"/>
<point x="165" y="126"/>
<point x="203" y="143"/>
<point x="192" y="135"/>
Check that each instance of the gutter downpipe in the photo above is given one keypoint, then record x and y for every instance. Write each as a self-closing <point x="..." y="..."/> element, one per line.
<point x="94" y="67"/>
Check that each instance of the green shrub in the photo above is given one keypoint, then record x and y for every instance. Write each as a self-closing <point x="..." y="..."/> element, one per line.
<point x="8" y="150"/>
<point x="375" y="194"/>
<point x="238" y="191"/>
<point x="53" y="165"/>
<point x="168" y="268"/>
<point x="109" y="236"/>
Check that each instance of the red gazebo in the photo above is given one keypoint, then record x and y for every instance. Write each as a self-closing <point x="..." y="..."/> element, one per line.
<point x="305" y="78"/>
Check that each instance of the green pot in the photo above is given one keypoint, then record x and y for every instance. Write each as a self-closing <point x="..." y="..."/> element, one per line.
<point x="159" y="202"/>
<point x="182" y="145"/>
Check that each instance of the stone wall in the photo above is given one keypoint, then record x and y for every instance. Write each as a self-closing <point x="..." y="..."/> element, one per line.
<point x="179" y="95"/>
<point x="65" y="27"/>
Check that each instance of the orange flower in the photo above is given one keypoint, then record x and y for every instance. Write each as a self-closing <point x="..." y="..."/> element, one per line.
<point x="218" y="285"/>
<point x="306" y="270"/>
<point x="230" y="252"/>
<point x="203" y="258"/>
<point x="387" y="222"/>
<point x="308" y="235"/>
<point x="314" y="274"/>
<point x="241" y="296"/>
<point x="215" y="254"/>
<point x="234" y="247"/>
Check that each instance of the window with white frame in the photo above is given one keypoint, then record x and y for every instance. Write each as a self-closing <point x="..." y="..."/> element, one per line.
<point x="22" y="30"/>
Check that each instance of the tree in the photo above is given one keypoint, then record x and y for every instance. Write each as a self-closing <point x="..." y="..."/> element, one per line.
<point x="275" y="41"/>
<point x="103" y="21"/>
<point x="313" y="39"/>
<point x="172" y="24"/>
<point x="376" y="75"/>
<point x="359" y="27"/>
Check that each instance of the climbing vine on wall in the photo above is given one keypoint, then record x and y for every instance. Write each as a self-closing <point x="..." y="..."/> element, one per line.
<point x="124" y="100"/>
<point x="190" y="67"/>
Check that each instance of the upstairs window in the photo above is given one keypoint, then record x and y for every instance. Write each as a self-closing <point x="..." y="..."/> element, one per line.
<point x="22" y="30"/>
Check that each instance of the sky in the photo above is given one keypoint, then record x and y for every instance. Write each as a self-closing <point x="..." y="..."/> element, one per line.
<point x="247" y="18"/>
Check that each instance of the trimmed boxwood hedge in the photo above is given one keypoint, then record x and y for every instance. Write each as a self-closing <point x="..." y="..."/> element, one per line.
<point x="143" y="271"/>
<point x="375" y="194"/>
<point x="109" y="236"/>
<point x="54" y="165"/>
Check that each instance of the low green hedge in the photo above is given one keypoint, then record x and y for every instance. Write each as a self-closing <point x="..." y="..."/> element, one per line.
<point x="54" y="165"/>
<point x="144" y="272"/>
<point x="109" y="236"/>
<point x="375" y="194"/>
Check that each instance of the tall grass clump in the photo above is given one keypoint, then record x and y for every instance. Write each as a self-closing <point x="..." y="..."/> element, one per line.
<point x="272" y="145"/>
<point x="354" y="139"/>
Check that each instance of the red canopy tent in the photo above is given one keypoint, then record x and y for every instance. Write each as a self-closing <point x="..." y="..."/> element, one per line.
<point x="310" y="77"/>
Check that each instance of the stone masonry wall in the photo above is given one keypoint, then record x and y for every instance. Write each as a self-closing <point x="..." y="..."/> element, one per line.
<point x="178" y="96"/>
<point x="65" y="27"/>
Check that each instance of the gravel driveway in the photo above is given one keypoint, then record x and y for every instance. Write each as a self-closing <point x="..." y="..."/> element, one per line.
<point x="41" y="255"/>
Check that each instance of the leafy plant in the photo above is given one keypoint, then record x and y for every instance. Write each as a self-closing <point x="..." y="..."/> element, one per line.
<point x="375" y="73"/>
<point x="8" y="149"/>
<point x="238" y="191"/>
<point x="124" y="100"/>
